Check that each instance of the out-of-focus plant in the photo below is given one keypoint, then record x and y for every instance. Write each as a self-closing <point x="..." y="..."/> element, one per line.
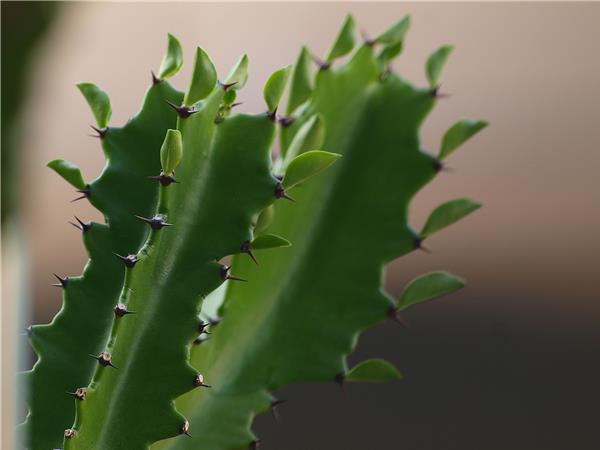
<point x="23" y="26"/>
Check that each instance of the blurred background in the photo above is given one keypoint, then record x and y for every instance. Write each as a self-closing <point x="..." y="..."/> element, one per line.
<point x="512" y="361"/>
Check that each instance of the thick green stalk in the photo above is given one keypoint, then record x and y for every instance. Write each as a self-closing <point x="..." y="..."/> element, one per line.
<point x="137" y="313"/>
<point x="302" y="312"/>
<point x="223" y="181"/>
<point x="81" y="327"/>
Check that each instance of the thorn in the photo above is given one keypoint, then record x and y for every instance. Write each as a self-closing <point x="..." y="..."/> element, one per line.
<point x="286" y="121"/>
<point x="233" y="105"/>
<point x="272" y="115"/>
<point x="69" y="433"/>
<point x="105" y="359"/>
<point x="225" y="87"/>
<point x="340" y="379"/>
<point x="199" y="381"/>
<point x="323" y="65"/>
<point x="367" y="39"/>
<point x="80" y="225"/>
<point x="214" y="321"/>
<point x="155" y="79"/>
<point x="101" y="132"/>
<point x="395" y="315"/>
<point x="280" y="193"/>
<point x="156" y="223"/>
<point x="87" y="191"/>
<point x="225" y="275"/>
<point x="435" y="92"/>
<point x="385" y="74"/>
<point x="63" y="281"/>
<point x="129" y="260"/>
<point x="439" y="166"/>
<point x="255" y="444"/>
<point x="418" y="242"/>
<point x="29" y="330"/>
<point x="274" y="404"/>
<point x="165" y="180"/>
<point x="247" y="249"/>
<point x="200" y="340"/>
<point x="202" y="327"/>
<point x="185" y="428"/>
<point x="79" y="393"/>
<point x="182" y="111"/>
<point x="121" y="310"/>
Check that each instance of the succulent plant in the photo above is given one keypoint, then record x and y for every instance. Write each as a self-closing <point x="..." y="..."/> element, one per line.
<point x="143" y="355"/>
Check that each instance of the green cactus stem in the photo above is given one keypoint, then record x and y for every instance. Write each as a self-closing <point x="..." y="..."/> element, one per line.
<point x="135" y="359"/>
<point x="81" y="327"/>
<point x="306" y="305"/>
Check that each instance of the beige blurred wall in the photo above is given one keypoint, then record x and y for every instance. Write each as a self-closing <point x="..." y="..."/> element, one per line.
<point x="530" y="69"/>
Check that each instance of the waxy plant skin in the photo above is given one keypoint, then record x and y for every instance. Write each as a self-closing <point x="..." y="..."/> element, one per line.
<point x="136" y="358"/>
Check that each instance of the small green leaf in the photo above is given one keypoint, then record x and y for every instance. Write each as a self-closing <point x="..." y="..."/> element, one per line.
<point x="204" y="78"/>
<point x="435" y="64"/>
<point x="300" y="88"/>
<point x="345" y="40"/>
<point x="69" y="171"/>
<point x="266" y="241"/>
<point x="239" y="74"/>
<point x="307" y="165"/>
<point x="390" y="51"/>
<point x="310" y="136"/>
<point x="459" y="133"/>
<point x="265" y="218"/>
<point x="171" y="152"/>
<point x="374" y="370"/>
<point x="98" y="101"/>
<point x="173" y="59"/>
<point x="448" y="213"/>
<point x="395" y="33"/>
<point x="275" y="86"/>
<point x="229" y="97"/>
<point x="429" y="286"/>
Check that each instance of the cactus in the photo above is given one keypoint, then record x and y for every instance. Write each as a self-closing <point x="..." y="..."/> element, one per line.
<point x="167" y="369"/>
<point x="305" y="306"/>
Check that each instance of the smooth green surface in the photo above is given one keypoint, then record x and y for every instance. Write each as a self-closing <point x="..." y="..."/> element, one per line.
<point x="98" y="101"/>
<point x="307" y="165"/>
<point x="264" y="219"/>
<point x="396" y="32"/>
<point x="173" y="59"/>
<point x="373" y="370"/>
<point x="171" y="152"/>
<point x="344" y="42"/>
<point x="239" y="74"/>
<point x="300" y="86"/>
<point x="448" y="213"/>
<point x="69" y="171"/>
<point x="310" y="136"/>
<point x="274" y="87"/>
<point x="429" y="286"/>
<point x="303" y="307"/>
<point x="435" y="64"/>
<point x="390" y="51"/>
<point x="267" y="241"/>
<point x="82" y="325"/>
<point x="203" y="79"/>
<point x="459" y="133"/>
